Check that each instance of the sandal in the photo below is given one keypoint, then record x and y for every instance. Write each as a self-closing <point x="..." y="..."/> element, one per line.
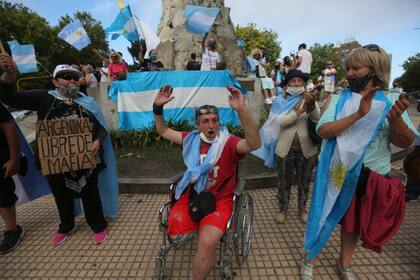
<point x="306" y="271"/>
<point x="345" y="273"/>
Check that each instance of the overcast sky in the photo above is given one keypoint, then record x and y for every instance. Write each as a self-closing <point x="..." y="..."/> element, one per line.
<point x="388" y="23"/>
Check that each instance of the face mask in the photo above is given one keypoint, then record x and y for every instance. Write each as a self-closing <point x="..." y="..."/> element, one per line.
<point x="358" y="84"/>
<point x="204" y="138"/>
<point x="152" y="57"/>
<point x="295" y="91"/>
<point x="71" y="91"/>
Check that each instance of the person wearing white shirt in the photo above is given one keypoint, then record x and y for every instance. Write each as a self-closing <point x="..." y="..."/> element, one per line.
<point x="210" y="57"/>
<point x="304" y="59"/>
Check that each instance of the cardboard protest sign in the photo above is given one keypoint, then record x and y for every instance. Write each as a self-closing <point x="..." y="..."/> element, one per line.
<point x="64" y="145"/>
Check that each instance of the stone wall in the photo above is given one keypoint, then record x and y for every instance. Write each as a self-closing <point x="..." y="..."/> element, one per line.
<point x="177" y="43"/>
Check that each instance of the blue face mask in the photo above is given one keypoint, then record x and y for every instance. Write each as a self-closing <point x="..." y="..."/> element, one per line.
<point x="358" y="84"/>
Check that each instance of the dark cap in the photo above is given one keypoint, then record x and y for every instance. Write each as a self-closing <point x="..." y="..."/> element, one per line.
<point x="292" y="74"/>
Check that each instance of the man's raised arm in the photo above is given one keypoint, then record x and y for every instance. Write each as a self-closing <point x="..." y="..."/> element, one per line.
<point x="252" y="136"/>
<point x="163" y="96"/>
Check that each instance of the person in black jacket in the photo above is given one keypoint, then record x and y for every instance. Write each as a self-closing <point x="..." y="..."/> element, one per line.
<point x="9" y="164"/>
<point x="62" y="103"/>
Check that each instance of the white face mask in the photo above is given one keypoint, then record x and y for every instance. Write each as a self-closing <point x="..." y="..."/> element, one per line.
<point x="204" y="138"/>
<point x="295" y="91"/>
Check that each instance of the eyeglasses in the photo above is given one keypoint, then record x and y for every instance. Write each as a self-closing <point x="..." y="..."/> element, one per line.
<point x="207" y="109"/>
<point x="372" y="47"/>
<point x="67" y="77"/>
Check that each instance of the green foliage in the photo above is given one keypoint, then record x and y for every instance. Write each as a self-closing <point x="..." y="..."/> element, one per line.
<point x="264" y="39"/>
<point x="149" y="137"/>
<point x="27" y="27"/>
<point x="321" y="54"/>
<point x="410" y="79"/>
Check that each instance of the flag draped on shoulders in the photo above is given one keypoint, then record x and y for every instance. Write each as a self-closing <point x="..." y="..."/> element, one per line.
<point x="200" y="19"/>
<point x="269" y="132"/>
<point x="74" y="34"/>
<point x="24" y="57"/>
<point x="197" y="173"/>
<point x="124" y="25"/>
<point x="107" y="178"/>
<point x="339" y="167"/>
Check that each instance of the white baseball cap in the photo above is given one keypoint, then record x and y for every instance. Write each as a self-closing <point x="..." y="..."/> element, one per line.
<point x="65" y="68"/>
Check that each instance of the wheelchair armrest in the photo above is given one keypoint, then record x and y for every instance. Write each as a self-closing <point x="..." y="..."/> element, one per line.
<point x="174" y="179"/>
<point x="240" y="186"/>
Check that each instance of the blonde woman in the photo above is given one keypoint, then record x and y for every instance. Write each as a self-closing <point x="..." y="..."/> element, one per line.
<point x="117" y="70"/>
<point x="358" y="126"/>
<point x="90" y="78"/>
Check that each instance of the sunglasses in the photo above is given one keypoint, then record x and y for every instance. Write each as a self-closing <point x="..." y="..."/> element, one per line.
<point x="207" y="109"/>
<point x="68" y="77"/>
<point x="114" y="56"/>
<point x="372" y="47"/>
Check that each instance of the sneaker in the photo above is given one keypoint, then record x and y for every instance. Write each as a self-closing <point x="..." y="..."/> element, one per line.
<point x="268" y="101"/>
<point x="303" y="216"/>
<point x="281" y="217"/>
<point x="59" y="237"/>
<point x="306" y="271"/>
<point x="345" y="273"/>
<point x="100" y="237"/>
<point x="11" y="239"/>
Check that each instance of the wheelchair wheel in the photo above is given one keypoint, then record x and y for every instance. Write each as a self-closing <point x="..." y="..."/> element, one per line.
<point x="160" y="264"/>
<point x="243" y="227"/>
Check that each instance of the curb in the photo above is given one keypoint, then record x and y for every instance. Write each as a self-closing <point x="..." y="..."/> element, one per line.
<point x="161" y="185"/>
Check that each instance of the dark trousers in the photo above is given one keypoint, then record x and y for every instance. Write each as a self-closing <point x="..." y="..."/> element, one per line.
<point x="294" y="168"/>
<point x="92" y="205"/>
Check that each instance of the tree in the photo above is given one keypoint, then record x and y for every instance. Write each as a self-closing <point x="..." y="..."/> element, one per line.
<point x="266" y="40"/>
<point x="410" y="79"/>
<point x="321" y="54"/>
<point x="19" y="23"/>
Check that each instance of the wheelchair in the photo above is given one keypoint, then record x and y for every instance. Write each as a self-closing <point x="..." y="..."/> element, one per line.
<point x="235" y="243"/>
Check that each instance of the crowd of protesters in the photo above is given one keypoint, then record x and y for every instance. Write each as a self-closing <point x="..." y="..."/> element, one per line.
<point x="362" y="112"/>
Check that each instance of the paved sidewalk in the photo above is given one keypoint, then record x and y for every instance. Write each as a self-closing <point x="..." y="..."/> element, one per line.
<point x="130" y="250"/>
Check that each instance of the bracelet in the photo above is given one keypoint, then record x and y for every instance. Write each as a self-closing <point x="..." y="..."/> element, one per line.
<point x="157" y="110"/>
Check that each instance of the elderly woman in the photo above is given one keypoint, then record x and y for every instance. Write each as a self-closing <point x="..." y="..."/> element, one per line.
<point x="295" y="151"/>
<point x="117" y="70"/>
<point x="62" y="104"/>
<point x="358" y="126"/>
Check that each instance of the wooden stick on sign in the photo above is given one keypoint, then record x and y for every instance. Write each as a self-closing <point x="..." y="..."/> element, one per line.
<point x="2" y="50"/>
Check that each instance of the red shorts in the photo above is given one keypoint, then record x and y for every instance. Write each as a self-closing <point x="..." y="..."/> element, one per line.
<point x="180" y="221"/>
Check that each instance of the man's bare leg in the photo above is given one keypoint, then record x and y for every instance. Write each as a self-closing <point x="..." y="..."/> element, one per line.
<point x="205" y="258"/>
<point x="9" y="216"/>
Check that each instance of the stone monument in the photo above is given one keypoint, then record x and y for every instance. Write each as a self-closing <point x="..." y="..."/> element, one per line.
<point x="177" y="43"/>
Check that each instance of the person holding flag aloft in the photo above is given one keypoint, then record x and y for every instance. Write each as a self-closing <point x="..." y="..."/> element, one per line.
<point x="97" y="187"/>
<point x="358" y="127"/>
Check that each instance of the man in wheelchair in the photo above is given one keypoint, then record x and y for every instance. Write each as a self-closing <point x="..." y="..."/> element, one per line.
<point x="204" y="195"/>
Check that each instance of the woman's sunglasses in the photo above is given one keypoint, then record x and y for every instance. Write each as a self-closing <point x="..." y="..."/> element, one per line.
<point x="372" y="47"/>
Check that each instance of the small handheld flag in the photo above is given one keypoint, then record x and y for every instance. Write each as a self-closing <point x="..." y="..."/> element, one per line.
<point x="74" y="34"/>
<point x="200" y="19"/>
<point x="23" y="56"/>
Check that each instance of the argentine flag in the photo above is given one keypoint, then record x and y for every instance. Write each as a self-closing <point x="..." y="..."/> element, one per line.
<point x="136" y="94"/>
<point x="269" y="132"/>
<point x="124" y="25"/>
<point x="74" y="34"/>
<point x="339" y="167"/>
<point x="200" y="19"/>
<point x="23" y="56"/>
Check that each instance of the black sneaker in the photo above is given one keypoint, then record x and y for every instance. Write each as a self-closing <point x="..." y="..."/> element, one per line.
<point x="11" y="239"/>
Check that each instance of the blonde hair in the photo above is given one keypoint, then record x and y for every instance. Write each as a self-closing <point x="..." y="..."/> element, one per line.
<point x="257" y="51"/>
<point x="87" y="69"/>
<point x="117" y="54"/>
<point x="376" y="59"/>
